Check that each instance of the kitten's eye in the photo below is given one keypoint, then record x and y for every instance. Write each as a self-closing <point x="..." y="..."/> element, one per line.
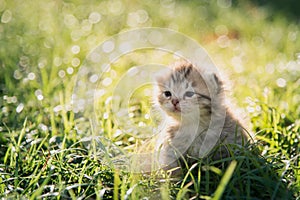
<point x="167" y="94"/>
<point x="189" y="94"/>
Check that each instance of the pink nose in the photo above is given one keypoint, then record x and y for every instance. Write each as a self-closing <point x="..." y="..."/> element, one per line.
<point x="175" y="101"/>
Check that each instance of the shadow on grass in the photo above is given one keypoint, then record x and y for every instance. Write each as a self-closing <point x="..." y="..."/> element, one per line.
<point x="288" y="8"/>
<point x="254" y="177"/>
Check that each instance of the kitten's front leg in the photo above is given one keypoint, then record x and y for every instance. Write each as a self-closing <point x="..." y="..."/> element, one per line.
<point x="168" y="159"/>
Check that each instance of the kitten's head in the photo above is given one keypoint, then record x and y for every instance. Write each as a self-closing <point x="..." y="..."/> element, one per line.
<point x="183" y="91"/>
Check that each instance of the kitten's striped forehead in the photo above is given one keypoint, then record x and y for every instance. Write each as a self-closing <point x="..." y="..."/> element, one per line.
<point x="181" y="75"/>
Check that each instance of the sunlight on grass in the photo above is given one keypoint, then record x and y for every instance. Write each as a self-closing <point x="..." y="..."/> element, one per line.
<point x="47" y="150"/>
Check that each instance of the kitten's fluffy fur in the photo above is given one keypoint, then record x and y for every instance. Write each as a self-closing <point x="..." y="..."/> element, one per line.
<point x="197" y="117"/>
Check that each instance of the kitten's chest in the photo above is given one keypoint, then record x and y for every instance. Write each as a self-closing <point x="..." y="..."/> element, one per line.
<point x="187" y="138"/>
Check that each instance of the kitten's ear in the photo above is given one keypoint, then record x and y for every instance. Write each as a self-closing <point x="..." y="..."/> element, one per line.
<point x="158" y="78"/>
<point x="217" y="83"/>
<point x="161" y="75"/>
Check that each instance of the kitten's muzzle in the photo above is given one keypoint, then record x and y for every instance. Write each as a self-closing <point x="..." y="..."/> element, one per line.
<point x="175" y="103"/>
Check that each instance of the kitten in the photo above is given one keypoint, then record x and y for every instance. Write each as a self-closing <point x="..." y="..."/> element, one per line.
<point x="196" y="116"/>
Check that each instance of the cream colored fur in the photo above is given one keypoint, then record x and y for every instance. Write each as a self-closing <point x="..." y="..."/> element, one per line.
<point x="198" y="119"/>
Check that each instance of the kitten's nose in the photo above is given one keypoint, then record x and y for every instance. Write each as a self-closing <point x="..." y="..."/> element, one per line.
<point x="175" y="101"/>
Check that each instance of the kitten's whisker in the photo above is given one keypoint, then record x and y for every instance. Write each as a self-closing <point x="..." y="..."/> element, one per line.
<point x="203" y="96"/>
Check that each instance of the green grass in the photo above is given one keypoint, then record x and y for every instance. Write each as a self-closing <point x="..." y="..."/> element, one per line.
<point x="44" y="155"/>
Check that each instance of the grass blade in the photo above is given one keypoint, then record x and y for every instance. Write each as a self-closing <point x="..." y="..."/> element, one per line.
<point x="225" y="179"/>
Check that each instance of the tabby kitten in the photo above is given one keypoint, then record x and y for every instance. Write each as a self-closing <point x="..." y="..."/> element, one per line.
<point x="196" y="116"/>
